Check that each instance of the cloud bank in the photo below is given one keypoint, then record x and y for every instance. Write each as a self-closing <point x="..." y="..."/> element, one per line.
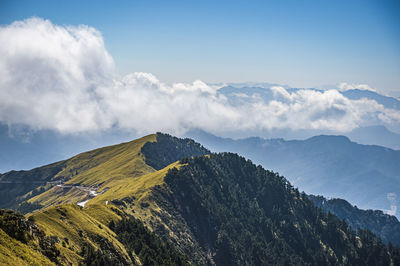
<point x="62" y="78"/>
<point x="49" y="75"/>
<point x="345" y="87"/>
<point x="393" y="203"/>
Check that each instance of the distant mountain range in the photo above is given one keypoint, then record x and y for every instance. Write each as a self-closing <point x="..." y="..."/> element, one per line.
<point x="38" y="148"/>
<point x="263" y="89"/>
<point x="383" y="225"/>
<point x="387" y="101"/>
<point x="375" y="135"/>
<point x="161" y="200"/>
<point x="333" y="166"/>
<point x="236" y="93"/>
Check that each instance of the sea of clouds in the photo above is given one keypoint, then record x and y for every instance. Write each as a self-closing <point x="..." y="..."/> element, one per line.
<point x="62" y="78"/>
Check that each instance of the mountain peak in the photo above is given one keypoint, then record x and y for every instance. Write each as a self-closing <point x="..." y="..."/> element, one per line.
<point x="332" y="139"/>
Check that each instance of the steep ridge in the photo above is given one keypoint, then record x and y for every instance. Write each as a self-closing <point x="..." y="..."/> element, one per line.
<point x="23" y="243"/>
<point x="332" y="166"/>
<point x="104" y="179"/>
<point x="74" y="229"/>
<point x="383" y="225"/>
<point x="204" y="209"/>
<point x="13" y="252"/>
<point x="94" y="168"/>
<point x="241" y="214"/>
<point x="96" y="171"/>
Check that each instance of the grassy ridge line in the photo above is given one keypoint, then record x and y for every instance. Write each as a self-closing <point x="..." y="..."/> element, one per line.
<point x="110" y="163"/>
<point x="119" y="168"/>
<point x="13" y="252"/>
<point x="138" y="191"/>
<point x="139" y="187"/>
<point x="65" y="221"/>
<point x="104" y="167"/>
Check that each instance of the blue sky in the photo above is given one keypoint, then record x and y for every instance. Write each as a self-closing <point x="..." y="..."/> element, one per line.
<point x="300" y="43"/>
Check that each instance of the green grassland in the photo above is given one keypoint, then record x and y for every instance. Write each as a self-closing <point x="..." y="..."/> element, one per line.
<point x="121" y="172"/>
<point x="13" y="252"/>
<point x="105" y="165"/>
<point x="67" y="220"/>
<point x="101" y="168"/>
<point x="75" y="227"/>
<point x="138" y="187"/>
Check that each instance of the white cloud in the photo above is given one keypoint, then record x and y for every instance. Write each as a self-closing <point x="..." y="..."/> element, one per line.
<point x="62" y="78"/>
<point x="49" y="75"/>
<point x="393" y="203"/>
<point x="345" y="87"/>
<point x="281" y="91"/>
<point x="311" y="109"/>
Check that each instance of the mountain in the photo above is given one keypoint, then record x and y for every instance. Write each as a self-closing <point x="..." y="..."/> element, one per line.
<point x="377" y="135"/>
<point x="383" y="225"/>
<point x="94" y="169"/>
<point x="333" y="166"/>
<point x="164" y="200"/>
<point x="387" y="101"/>
<point x="373" y="132"/>
<point x="23" y="243"/>
<point x="233" y="90"/>
<point x="120" y="170"/>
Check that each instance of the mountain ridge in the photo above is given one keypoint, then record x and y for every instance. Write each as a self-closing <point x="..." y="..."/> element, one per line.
<point x="329" y="165"/>
<point x="384" y="225"/>
<point x="203" y="209"/>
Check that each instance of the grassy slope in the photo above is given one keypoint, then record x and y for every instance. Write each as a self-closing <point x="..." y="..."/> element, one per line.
<point x="65" y="221"/>
<point x="119" y="168"/>
<point x="122" y="170"/>
<point x="140" y="191"/>
<point x="102" y="167"/>
<point x="13" y="252"/>
<point x="139" y="187"/>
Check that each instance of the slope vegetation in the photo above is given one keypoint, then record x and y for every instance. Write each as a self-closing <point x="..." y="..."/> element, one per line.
<point x="94" y="169"/>
<point x="13" y="252"/>
<point x="241" y="214"/>
<point x="115" y="183"/>
<point x="332" y="166"/>
<point x="383" y="225"/>
<point x="23" y="243"/>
